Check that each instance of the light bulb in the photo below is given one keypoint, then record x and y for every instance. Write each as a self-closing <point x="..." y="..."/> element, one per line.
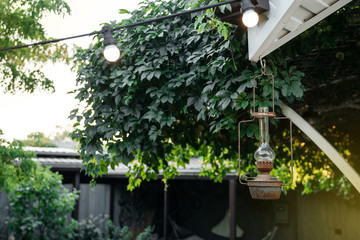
<point x="111" y="53"/>
<point x="264" y="152"/>
<point x="250" y="18"/>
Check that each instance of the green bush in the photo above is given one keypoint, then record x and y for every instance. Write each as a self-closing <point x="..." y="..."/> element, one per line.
<point x="99" y="228"/>
<point x="40" y="206"/>
<point x="40" y="209"/>
<point x="146" y="235"/>
<point x="12" y="174"/>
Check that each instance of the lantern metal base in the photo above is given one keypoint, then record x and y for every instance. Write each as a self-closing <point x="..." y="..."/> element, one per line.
<point x="265" y="187"/>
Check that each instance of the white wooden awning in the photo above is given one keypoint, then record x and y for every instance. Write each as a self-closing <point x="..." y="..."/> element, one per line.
<point x="285" y="20"/>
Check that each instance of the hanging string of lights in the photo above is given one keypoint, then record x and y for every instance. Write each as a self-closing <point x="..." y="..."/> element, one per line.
<point x="111" y="52"/>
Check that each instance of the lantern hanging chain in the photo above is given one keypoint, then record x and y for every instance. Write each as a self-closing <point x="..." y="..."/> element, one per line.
<point x="263" y="73"/>
<point x="151" y="20"/>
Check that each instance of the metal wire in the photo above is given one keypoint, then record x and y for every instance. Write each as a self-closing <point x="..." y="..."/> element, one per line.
<point x="50" y="41"/>
<point x="291" y="151"/>
<point x="239" y="143"/>
<point x="151" y="20"/>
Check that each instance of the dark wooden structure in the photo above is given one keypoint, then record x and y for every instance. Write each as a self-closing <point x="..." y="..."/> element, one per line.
<point x="68" y="163"/>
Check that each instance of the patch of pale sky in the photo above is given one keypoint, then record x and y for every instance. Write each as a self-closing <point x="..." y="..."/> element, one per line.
<point x="21" y="113"/>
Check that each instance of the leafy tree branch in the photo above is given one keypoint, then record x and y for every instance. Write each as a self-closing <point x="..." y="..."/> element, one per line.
<point x="20" y="24"/>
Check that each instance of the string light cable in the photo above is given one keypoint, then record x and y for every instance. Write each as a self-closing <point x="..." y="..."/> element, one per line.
<point x="151" y="20"/>
<point x="112" y="53"/>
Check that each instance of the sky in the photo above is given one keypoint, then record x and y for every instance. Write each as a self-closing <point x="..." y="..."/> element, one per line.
<point x="22" y="114"/>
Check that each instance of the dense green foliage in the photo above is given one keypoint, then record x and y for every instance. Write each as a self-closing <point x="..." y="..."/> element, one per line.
<point x="10" y="173"/>
<point x="98" y="228"/>
<point x="182" y="86"/>
<point x="101" y="228"/>
<point x="40" y="208"/>
<point x="175" y="93"/>
<point x="39" y="205"/>
<point x="20" y="24"/>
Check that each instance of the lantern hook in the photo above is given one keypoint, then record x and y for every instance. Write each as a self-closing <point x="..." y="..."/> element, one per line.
<point x="263" y="66"/>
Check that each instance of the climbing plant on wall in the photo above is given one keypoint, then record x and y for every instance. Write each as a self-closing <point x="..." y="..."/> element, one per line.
<point x="175" y="93"/>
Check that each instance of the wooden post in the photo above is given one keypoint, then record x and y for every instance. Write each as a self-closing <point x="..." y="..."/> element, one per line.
<point x="232" y="204"/>
<point x="112" y="201"/>
<point x="165" y="214"/>
<point x="75" y="213"/>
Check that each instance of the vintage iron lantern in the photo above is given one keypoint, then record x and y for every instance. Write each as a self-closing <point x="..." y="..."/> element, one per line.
<point x="264" y="185"/>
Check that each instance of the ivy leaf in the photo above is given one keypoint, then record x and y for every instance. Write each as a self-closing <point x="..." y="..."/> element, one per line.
<point x="234" y="95"/>
<point x="141" y="69"/>
<point x="190" y="101"/>
<point x="242" y="88"/>
<point x="267" y="90"/>
<point x="157" y="74"/>
<point x="201" y="28"/>
<point x="201" y="115"/>
<point x="251" y="129"/>
<point x="149" y="115"/>
<point x="213" y="70"/>
<point x="154" y="133"/>
<point x="244" y="104"/>
<point x="292" y="69"/>
<point x="285" y="90"/>
<point x="222" y="93"/>
<point x="296" y="89"/>
<point x="123" y="11"/>
<point x="209" y="88"/>
<point x="199" y="105"/>
<point x="222" y="8"/>
<point x="117" y="99"/>
<point x="150" y="76"/>
<point x="228" y="7"/>
<point x="109" y="135"/>
<point x="240" y="78"/>
<point x="224" y="103"/>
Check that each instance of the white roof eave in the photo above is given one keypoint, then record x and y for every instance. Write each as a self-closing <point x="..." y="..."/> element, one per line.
<point x="285" y="20"/>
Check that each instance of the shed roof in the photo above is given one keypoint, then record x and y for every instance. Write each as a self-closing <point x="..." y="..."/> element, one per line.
<point x="60" y="159"/>
<point x="53" y="152"/>
<point x="192" y="169"/>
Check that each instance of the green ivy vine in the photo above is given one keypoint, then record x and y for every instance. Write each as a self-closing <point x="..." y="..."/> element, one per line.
<point x="178" y="91"/>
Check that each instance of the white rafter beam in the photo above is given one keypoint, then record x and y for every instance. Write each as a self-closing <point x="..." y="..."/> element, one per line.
<point x="324" y="145"/>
